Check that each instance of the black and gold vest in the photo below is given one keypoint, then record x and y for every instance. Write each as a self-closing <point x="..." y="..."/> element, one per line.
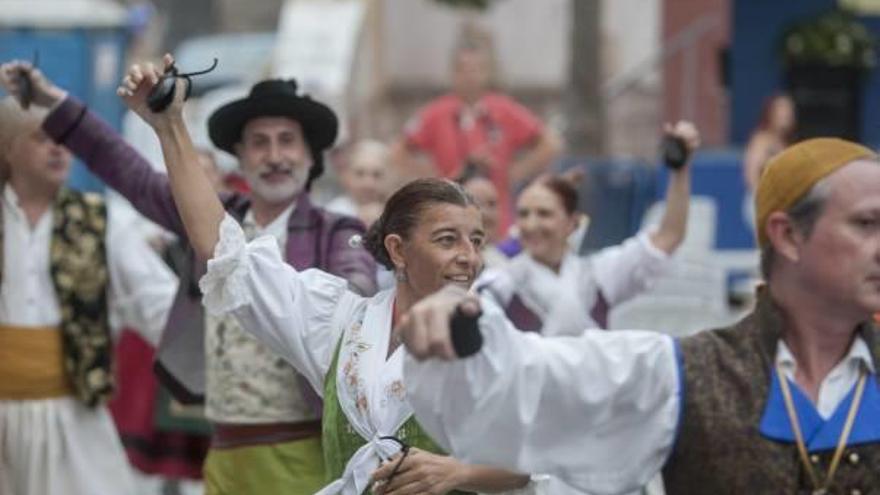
<point x="719" y="449"/>
<point x="78" y="266"/>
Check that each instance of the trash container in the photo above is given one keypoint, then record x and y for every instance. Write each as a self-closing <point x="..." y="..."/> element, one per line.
<point x="81" y="45"/>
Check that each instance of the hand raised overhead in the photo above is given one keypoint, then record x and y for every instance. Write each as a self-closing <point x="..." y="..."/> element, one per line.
<point x="43" y="92"/>
<point x="138" y="83"/>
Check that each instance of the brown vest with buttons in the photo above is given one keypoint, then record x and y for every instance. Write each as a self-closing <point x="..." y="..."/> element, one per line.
<point x="719" y="449"/>
<point x="78" y="266"/>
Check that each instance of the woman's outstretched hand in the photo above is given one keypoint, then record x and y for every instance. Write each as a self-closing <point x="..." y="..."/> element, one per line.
<point x="425" y="328"/>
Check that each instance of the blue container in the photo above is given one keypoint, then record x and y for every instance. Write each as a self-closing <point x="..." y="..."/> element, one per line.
<point x="85" y="56"/>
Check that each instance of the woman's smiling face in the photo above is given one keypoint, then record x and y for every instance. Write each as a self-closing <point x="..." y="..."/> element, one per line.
<point x="544" y="224"/>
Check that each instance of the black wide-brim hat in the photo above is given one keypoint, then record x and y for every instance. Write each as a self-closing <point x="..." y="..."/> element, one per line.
<point x="274" y="98"/>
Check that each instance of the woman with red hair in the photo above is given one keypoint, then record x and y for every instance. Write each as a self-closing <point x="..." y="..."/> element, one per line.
<point x="774" y="132"/>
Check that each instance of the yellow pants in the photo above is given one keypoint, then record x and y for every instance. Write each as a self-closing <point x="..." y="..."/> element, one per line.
<point x="290" y="468"/>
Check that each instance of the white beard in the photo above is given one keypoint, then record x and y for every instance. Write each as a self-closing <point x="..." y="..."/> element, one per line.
<point x="277" y="192"/>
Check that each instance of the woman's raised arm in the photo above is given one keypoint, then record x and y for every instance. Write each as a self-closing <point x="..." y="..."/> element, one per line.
<point x="196" y="199"/>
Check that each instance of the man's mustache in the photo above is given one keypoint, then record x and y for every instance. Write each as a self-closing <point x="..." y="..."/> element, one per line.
<point x="275" y="168"/>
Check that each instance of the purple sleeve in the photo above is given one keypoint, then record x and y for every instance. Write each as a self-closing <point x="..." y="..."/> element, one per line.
<point x="119" y="165"/>
<point x="354" y="264"/>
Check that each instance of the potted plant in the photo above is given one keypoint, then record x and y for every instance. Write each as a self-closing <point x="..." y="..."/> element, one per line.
<point x="826" y="60"/>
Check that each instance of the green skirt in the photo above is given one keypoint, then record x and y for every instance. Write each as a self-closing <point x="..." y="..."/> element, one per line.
<point x="291" y="468"/>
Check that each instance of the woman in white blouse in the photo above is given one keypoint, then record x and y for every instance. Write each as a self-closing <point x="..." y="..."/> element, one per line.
<point x="550" y="290"/>
<point x="429" y="234"/>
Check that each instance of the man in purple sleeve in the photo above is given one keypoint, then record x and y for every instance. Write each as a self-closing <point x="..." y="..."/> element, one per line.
<point x="265" y="416"/>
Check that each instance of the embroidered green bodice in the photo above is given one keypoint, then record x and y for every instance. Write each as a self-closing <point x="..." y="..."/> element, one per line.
<point x="340" y="441"/>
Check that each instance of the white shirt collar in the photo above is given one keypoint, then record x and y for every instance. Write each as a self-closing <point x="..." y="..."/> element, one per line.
<point x="12" y="205"/>
<point x="10" y="200"/>
<point x="858" y="354"/>
<point x="276" y="228"/>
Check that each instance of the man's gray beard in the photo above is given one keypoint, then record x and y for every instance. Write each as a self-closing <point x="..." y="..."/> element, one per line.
<point x="276" y="193"/>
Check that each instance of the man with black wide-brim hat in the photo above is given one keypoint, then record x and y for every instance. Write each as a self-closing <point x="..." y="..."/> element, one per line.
<point x="266" y="418"/>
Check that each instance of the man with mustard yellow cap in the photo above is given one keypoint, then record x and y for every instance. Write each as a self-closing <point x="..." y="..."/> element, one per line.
<point x="714" y="411"/>
<point x="69" y="279"/>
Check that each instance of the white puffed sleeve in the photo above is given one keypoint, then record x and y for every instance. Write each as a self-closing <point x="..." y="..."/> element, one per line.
<point x="142" y="287"/>
<point x="299" y="315"/>
<point x="599" y="410"/>
<point x="625" y="270"/>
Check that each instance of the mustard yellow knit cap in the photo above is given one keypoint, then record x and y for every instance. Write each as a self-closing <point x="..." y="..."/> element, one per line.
<point x="790" y="174"/>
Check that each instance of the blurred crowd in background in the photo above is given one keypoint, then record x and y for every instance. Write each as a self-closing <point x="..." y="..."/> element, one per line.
<point x="492" y="94"/>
